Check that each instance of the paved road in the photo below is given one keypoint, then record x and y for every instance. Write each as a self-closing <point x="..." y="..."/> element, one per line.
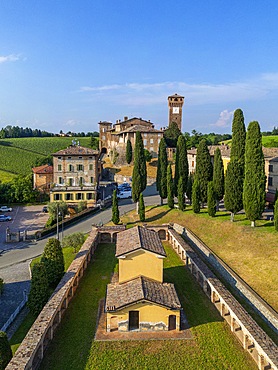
<point x="15" y="258"/>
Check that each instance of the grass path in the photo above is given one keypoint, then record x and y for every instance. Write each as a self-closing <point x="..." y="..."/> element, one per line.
<point x="73" y="346"/>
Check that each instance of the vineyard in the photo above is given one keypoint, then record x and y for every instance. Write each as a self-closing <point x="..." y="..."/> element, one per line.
<point x="18" y="156"/>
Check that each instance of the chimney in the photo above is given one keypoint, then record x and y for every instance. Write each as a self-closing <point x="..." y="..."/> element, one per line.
<point x="125" y="118"/>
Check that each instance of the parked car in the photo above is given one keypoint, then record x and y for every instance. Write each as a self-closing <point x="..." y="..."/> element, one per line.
<point x="124" y="194"/>
<point x="5" y="209"/>
<point x="44" y="209"/>
<point x="4" y="218"/>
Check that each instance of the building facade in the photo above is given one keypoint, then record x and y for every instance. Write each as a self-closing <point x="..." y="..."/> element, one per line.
<point x="42" y="178"/>
<point x="76" y="171"/>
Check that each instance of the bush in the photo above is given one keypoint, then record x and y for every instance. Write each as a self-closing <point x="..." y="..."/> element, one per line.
<point x="1" y="285"/>
<point x="74" y="241"/>
<point x="148" y="155"/>
<point x="53" y="259"/>
<point x="39" y="291"/>
<point x="5" y="350"/>
<point x="141" y="208"/>
<point x="81" y="206"/>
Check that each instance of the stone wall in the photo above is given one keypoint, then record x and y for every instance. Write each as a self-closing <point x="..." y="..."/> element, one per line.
<point x="255" y="301"/>
<point x="253" y="339"/>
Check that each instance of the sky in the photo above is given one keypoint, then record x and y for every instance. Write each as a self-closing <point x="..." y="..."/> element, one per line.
<point x="69" y="64"/>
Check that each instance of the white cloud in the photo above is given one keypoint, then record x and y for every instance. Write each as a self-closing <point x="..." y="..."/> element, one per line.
<point x="225" y="119"/>
<point x="9" y="58"/>
<point x="137" y="94"/>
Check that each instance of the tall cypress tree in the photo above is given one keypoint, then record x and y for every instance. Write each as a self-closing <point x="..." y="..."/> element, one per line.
<point x="5" y="350"/>
<point x="39" y="291"/>
<point x="196" y="196"/>
<point x="170" y="187"/>
<point x="139" y="174"/>
<point x="189" y="187"/>
<point x="128" y="152"/>
<point x="53" y="260"/>
<point x="181" y="164"/>
<point x="141" y="208"/>
<point x="161" y="174"/>
<point x="233" y="197"/>
<point x="211" y="199"/>
<point x="181" y="198"/>
<point x="238" y="138"/>
<point x="254" y="180"/>
<point x="218" y="176"/>
<point x="203" y="169"/>
<point x="115" y="209"/>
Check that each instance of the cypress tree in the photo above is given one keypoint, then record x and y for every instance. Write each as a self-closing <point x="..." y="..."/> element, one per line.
<point x="196" y="196"/>
<point x="53" y="259"/>
<point x="189" y="187"/>
<point x="5" y="350"/>
<point x="218" y="176"/>
<point x="181" y="198"/>
<point x="170" y="187"/>
<point x="172" y="134"/>
<point x="128" y="152"/>
<point x="181" y="164"/>
<point x="203" y="169"/>
<point x="141" y="208"/>
<point x="233" y="197"/>
<point x="161" y="175"/>
<point x="115" y="209"/>
<point x="139" y="174"/>
<point x="238" y="138"/>
<point x="276" y="215"/>
<point x="39" y="291"/>
<point x="254" y="179"/>
<point x="211" y="199"/>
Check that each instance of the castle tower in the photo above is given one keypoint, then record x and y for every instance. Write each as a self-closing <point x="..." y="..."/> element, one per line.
<point x="104" y="135"/>
<point x="175" y="103"/>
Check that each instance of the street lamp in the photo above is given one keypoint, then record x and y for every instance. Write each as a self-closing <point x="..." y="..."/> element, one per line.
<point x="57" y="212"/>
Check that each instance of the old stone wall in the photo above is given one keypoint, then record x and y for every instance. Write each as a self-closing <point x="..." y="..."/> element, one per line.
<point x="253" y="339"/>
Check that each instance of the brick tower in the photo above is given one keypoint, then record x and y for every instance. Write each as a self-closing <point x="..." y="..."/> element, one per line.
<point x="175" y="103"/>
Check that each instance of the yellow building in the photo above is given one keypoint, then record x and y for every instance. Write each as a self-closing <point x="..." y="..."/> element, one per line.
<point x="140" y="300"/>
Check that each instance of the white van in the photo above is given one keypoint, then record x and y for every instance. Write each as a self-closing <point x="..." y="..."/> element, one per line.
<point x="124" y="194"/>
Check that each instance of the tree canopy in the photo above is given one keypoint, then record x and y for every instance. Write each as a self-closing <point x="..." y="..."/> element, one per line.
<point x="161" y="174"/>
<point x="139" y="174"/>
<point x="181" y="165"/>
<point x="204" y="169"/>
<point x="171" y="135"/>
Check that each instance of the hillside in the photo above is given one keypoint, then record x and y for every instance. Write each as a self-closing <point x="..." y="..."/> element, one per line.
<point x="268" y="141"/>
<point x="17" y="156"/>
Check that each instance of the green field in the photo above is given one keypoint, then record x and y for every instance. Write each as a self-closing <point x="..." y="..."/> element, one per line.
<point x="267" y="141"/>
<point x="17" y="156"/>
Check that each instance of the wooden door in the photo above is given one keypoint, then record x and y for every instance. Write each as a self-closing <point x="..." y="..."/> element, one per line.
<point x="133" y="322"/>
<point x="172" y="322"/>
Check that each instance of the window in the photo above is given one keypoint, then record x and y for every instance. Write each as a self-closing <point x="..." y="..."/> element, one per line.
<point x="57" y="196"/>
<point x="59" y="157"/>
<point x="159" y="135"/>
<point x="69" y="157"/>
<point x="79" y="196"/>
<point x="79" y="157"/>
<point x="68" y="196"/>
<point x="104" y="129"/>
<point x="70" y="181"/>
<point x="71" y="168"/>
<point x="91" y="180"/>
<point x="81" y="181"/>
<point x="103" y="137"/>
<point x="60" y="180"/>
<point x="91" y="167"/>
<point x="90" y="196"/>
<point x="192" y="164"/>
<point x="270" y="168"/>
<point x="145" y="135"/>
<point x="270" y="181"/>
<point x="145" y="142"/>
<point x="59" y="167"/>
<point x="80" y="167"/>
<point x="151" y="141"/>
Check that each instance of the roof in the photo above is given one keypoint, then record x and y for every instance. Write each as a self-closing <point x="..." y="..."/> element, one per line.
<point x="140" y="128"/>
<point x="139" y="238"/>
<point x="175" y="96"/>
<point x="44" y="169"/>
<point x="76" y="150"/>
<point x="140" y="289"/>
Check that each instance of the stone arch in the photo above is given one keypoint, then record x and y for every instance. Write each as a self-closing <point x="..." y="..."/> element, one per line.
<point x="105" y="237"/>
<point x="162" y="234"/>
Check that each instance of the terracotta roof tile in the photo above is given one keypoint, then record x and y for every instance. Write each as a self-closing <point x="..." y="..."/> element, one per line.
<point x="76" y="150"/>
<point x="46" y="168"/>
<point x="139" y="289"/>
<point x="139" y="238"/>
<point x="140" y="128"/>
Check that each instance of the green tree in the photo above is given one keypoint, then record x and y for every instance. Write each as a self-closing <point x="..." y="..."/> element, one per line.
<point x="5" y="350"/>
<point x="189" y="187"/>
<point x="211" y="199"/>
<point x="128" y="152"/>
<point x="148" y="156"/>
<point x="39" y="291"/>
<point x="238" y="138"/>
<point x="22" y="189"/>
<point x="53" y="260"/>
<point x="218" y="176"/>
<point x="204" y="169"/>
<point x="170" y="187"/>
<point x="139" y="174"/>
<point x="161" y="174"/>
<point x="196" y="196"/>
<point x="93" y="142"/>
<point x="115" y="209"/>
<point x="181" y="164"/>
<point x="276" y="215"/>
<point x="181" y="198"/>
<point x="171" y="135"/>
<point x="57" y="207"/>
<point x="75" y="241"/>
<point x="141" y="208"/>
<point x="233" y="197"/>
<point x="254" y="179"/>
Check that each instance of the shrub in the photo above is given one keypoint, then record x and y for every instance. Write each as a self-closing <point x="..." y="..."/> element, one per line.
<point x="74" y="241"/>
<point x="39" y="291"/>
<point x="5" y="350"/>
<point x="141" y="208"/>
<point x="53" y="259"/>
<point x="148" y="155"/>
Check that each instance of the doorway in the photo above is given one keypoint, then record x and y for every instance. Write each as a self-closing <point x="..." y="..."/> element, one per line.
<point x="172" y="322"/>
<point x="133" y="320"/>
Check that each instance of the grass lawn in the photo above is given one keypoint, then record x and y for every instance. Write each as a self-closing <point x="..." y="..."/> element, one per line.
<point x="73" y="347"/>
<point x="246" y="250"/>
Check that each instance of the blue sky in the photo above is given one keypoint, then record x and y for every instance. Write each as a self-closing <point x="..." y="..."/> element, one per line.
<point x="68" y="64"/>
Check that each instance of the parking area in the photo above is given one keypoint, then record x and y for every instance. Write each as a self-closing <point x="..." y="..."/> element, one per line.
<point x="30" y="218"/>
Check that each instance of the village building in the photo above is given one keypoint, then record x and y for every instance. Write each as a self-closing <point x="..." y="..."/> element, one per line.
<point x="76" y="171"/>
<point x="42" y="178"/>
<point x="139" y="300"/>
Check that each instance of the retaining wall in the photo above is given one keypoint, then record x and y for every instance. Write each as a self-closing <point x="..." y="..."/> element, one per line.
<point x="253" y="339"/>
